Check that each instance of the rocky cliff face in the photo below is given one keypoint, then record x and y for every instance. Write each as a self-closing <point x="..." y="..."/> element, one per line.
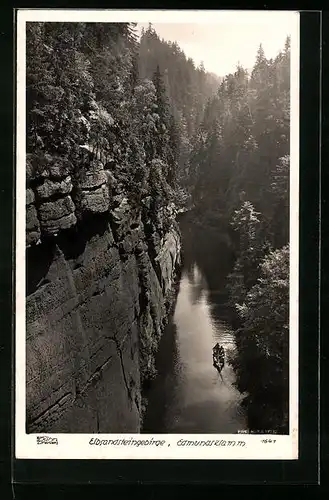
<point x="99" y="282"/>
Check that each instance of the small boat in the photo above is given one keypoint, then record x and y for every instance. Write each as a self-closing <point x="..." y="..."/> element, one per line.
<point x="218" y="357"/>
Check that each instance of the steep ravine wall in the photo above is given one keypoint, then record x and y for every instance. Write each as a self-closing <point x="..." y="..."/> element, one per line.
<point x="98" y="291"/>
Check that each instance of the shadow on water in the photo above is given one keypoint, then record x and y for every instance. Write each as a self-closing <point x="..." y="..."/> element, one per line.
<point x="210" y="249"/>
<point x="188" y="394"/>
<point x="165" y="382"/>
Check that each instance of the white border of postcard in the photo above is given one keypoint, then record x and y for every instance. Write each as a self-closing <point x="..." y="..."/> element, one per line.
<point x="161" y="446"/>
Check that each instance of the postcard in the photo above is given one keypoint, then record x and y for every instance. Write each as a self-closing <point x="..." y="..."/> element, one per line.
<point x="157" y="195"/>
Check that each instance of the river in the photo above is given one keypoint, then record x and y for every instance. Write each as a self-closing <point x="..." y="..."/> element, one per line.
<point x="188" y="394"/>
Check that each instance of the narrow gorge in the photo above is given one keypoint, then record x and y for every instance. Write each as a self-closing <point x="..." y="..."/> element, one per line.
<point x="125" y="306"/>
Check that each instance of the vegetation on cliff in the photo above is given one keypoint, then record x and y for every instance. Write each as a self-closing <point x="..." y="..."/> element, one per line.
<point x="94" y="90"/>
<point x="101" y="140"/>
<point x="85" y="100"/>
<point x="141" y="120"/>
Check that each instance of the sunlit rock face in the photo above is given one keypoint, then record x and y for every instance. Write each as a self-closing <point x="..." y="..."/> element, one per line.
<point x="97" y="299"/>
<point x="50" y="184"/>
<point x="93" y="191"/>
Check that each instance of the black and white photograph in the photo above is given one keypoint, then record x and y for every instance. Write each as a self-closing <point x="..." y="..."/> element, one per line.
<point x="157" y="246"/>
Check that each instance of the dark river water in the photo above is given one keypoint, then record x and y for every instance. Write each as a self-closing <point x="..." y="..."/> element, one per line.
<point x="189" y="395"/>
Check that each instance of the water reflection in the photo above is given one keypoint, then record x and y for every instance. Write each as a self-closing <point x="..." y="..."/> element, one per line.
<point x="189" y="395"/>
<point x="266" y="403"/>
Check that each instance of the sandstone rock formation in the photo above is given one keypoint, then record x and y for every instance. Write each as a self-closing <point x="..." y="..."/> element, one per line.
<point x="96" y="304"/>
<point x="93" y="193"/>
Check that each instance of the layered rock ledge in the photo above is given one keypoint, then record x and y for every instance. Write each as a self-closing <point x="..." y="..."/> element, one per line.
<point x="97" y="300"/>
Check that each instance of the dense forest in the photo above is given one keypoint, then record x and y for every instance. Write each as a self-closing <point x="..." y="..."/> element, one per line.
<point x="173" y="135"/>
<point x="187" y="87"/>
<point x="239" y="177"/>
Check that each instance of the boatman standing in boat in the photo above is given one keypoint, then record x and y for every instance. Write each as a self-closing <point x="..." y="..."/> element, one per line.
<point x="215" y="349"/>
<point x="219" y="355"/>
